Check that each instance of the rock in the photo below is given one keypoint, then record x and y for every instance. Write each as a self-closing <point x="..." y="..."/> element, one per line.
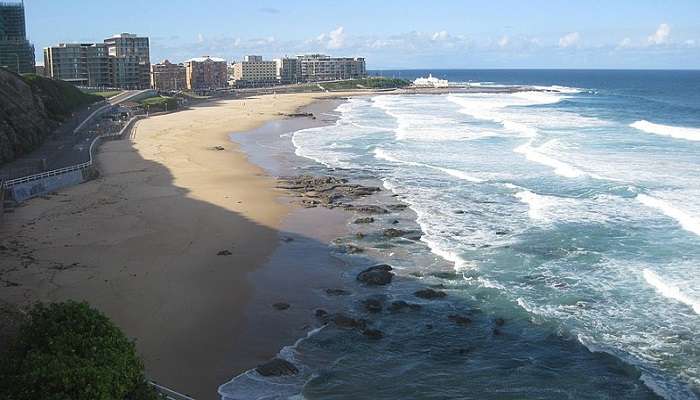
<point x="280" y="306"/>
<point x="499" y="321"/>
<point x="373" y="333"/>
<point x="372" y="305"/>
<point x="395" y="222"/>
<point x="347" y="322"/>
<point x="501" y="233"/>
<point x="400" y="305"/>
<point x="322" y="315"/>
<point x="277" y="367"/>
<point x="376" y="275"/>
<point x="369" y="209"/>
<point x="350" y="249"/>
<point x="365" y="220"/>
<point x="393" y="233"/>
<point x="447" y="275"/>
<point x="359" y="235"/>
<point x="459" y="319"/>
<point x="218" y="148"/>
<point x="224" y="253"/>
<point x="337" y="292"/>
<point x="397" y="207"/>
<point x="459" y="211"/>
<point x="287" y="239"/>
<point x="430" y="294"/>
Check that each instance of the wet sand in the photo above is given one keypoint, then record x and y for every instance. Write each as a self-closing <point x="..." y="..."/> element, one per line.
<point x="178" y="242"/>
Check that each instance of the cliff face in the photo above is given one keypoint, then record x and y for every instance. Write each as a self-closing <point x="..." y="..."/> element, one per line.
<point x="30" y="108"/>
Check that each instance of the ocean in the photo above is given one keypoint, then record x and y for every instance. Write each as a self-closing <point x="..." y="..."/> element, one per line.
<point x="562" y="220"/>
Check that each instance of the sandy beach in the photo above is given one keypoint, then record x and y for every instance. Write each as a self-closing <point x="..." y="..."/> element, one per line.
<point x="163" y="242"/>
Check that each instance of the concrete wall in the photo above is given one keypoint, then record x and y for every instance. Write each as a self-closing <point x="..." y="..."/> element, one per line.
<point x="27" y="190"/>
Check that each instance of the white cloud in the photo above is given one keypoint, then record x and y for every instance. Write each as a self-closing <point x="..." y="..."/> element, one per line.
<point x="569" y="40"/>
<point x="690" y="42"/>
<point x="503" y="41"/>
<point x="336" y="38"/>
<point x="625" y="43"/>
<point x="200" y="38"/>
<point x="661" y="35"/>
<point x="442" y="35"/>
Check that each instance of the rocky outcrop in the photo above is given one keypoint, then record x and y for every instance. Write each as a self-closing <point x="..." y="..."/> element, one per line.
<point x="31" y="107"/>
<point x="430" y="294"/>
<point x="376" y="276"/>
<point x="325" y="191"/>
<point x="277" y="367"/>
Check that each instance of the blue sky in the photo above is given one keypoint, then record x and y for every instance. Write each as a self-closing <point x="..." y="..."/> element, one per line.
<point x="393" y="34"/>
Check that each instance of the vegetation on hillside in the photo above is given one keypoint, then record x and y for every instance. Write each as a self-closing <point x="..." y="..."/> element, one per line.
<point x="106" y="93"/>
<point x="159" y="103"/>
<point x="71" y="351"/>
<point x="60" y="98"/>
<point x="367" y="83"/>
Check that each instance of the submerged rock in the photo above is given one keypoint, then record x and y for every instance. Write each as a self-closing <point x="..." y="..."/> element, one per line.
<point x="446" y="275"/>
<point x="322" y="315"/>
<point x="400" y="305"/>
<point x="393" y="233"/>
<point x="281" y="306"/>
<point x="368" y="209"/>
<point x="365" y="220"/>
<point x="372" y="305"/>
<point x="224" y="253"/>
<point x="459" y="319"/>
<point x="277" y="367"/>
<point x="373" y="333"/>
<point x="347" y="322"/>
<point x="430" y="294"/>
<point x="377" y="275"/>
<point x="337" y="292"/>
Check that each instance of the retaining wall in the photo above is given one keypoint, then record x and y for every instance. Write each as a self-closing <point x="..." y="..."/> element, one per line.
<point x="23" y="191"/>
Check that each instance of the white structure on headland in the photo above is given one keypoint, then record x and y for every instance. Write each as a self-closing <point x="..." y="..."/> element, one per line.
<point x="431" y="81"/>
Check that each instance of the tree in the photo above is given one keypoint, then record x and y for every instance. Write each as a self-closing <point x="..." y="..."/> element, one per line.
<point x="71" y="351"/>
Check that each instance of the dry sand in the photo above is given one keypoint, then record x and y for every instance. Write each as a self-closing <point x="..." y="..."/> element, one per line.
<point x="141" y="242"/>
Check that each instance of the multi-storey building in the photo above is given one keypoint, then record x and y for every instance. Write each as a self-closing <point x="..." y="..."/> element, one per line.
<point x="167" y="76"/>
<point x="16" y="53"/>
<point x="131" y="62"/>
<point x="253" y="71"/>
<point x="287" y="70"/>
<point x="319" y="67"/>
<point x="122" y="61"/>
<point x="206" y="73"/>
<point x="83" y="64"/>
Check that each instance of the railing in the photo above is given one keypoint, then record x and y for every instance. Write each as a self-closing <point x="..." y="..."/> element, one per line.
<point x="12" y="182"/>
<point x="168" y="393"/>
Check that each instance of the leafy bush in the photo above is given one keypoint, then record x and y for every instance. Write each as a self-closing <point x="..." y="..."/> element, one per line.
<point x="71" y="351"/>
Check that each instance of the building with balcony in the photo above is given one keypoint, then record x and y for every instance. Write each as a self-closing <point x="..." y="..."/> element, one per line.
<point x="253" y="71"/>
<point x="16" y="53"/>
<point x="206" y="73"/>
<point x="287" y="70"/>
<point x="122" y="61"/>
<point x="167" y="76"/>
<point x="319" y="67"/>
<point x="82" y="64"/>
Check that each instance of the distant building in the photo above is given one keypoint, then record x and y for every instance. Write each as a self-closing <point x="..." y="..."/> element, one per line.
<point x="122" y="61"/>
<point x="253" y="71"/>
<point x="206" y="73"/>
<point x="319" y="67"/>
<point x="167" y="76"/>
<point x="287" y="70"/>
<point x="131" y="62"/>
<point x="82" y="64"/>
<point x="16" y="53"/>
<point x="40" y="70"/>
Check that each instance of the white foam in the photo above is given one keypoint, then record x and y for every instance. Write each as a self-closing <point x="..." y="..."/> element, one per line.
<point x="537" y="204"/>
<point x="382" y="154"/>
<point x="670" y="291"/>
<point x="676" y="132"/>
<point x="688" y="222"/>
<point x="560" y="168"/>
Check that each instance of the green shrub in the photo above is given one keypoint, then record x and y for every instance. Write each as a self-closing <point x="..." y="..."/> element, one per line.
<point x="69" y="351"/>
<point x="60" y="98"/>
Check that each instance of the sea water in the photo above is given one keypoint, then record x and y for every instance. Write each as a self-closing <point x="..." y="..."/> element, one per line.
<point x="570" y="210"/>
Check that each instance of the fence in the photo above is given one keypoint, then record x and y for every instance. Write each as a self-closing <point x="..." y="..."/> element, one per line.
<point x="26" y="187"/>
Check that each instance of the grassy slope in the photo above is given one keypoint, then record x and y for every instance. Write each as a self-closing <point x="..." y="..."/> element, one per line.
<point x="367" y="83"/>
<point x="60" y="98"/>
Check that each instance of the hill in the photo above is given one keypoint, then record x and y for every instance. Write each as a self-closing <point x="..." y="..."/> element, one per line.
<point x="31" y="107"/>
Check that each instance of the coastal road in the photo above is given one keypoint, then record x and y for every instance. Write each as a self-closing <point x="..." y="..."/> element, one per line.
<point x="69" y="144"/>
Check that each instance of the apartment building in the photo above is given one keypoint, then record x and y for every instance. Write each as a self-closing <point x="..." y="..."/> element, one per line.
<point x="319" y="67"/>
<point x="122" y="61"/>
<point x="131" y="62"/>
<point x="82" y="64"/>
<point x="206" y="73"/>
<point x="253" y="71"/>
<point x="16" y="53"/>
<point x="167" y="76"/>
<point x="287" y="70"/>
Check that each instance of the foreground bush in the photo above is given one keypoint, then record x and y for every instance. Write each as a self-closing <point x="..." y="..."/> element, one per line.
<point x="71" y="351"/>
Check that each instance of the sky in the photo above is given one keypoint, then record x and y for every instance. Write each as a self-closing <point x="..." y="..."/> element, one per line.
<point x="636" y="34"/>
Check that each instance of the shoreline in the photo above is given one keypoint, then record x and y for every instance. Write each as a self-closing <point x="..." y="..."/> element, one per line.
<point x="163" y="241"/>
